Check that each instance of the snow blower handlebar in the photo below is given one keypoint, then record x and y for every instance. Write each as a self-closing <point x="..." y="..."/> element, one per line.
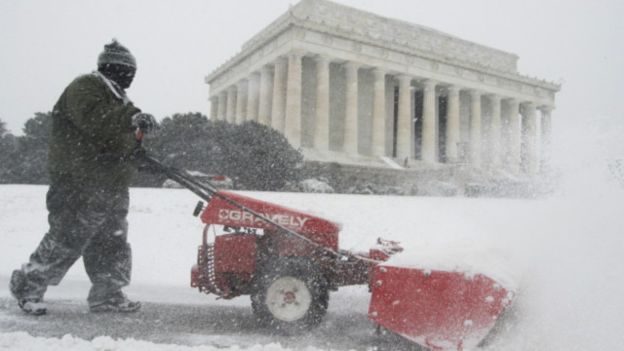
<point x="207" y="191"/>
<point x="204" y="191"/>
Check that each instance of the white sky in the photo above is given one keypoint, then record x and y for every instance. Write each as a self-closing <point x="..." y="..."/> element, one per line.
<point x="45" y="44"/>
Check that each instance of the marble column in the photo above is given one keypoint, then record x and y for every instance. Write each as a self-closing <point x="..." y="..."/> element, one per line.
<point x="515" y="136"/>
<point x="495" y="147"/>
<point x="531" y="138"/>
<point x="241" y="101"/>
<point x="253" y="97"/>
<point x="351" y="109"/>
<point x="321" y="131"/>
<point x="452" y="125"/>
<point x="292" y="122"/>
<point x="266" y="87"/>
<point x="231" y="104"/>
<point x="378" y="142"/>
<point x="546" y="136"/>
<point x="222" y="106"/>
<point x="404" y="123"/>
<point x="475" y="128"/>
<point x="214" y="106"/>
<point x="279" y="95"/>
<point x="429" y="130"/>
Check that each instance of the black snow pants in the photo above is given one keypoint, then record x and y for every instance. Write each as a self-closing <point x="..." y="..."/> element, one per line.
<point x="88" y="222"/>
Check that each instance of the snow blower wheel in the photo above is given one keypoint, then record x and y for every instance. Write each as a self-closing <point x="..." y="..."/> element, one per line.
<point x="291" y="296"/>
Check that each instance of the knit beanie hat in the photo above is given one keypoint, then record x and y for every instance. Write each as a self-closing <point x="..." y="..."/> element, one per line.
<point x="115" y="53"/>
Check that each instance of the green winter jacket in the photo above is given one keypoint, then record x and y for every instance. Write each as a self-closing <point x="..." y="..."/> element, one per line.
<point x="91" y="135"/>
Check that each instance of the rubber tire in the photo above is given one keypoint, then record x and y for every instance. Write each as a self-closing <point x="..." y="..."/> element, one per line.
<point x="302" y="270"/>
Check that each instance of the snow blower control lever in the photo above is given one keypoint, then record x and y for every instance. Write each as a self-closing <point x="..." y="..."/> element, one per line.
<point x="288" y="261"/>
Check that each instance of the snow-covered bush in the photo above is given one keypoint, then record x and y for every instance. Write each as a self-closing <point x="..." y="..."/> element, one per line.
<point x="258" y="157"/>
<point x="254" y="156"/>
<point x="314" y="185"/>
<point x="23" y="159"/>
<point x="439" y="188"/>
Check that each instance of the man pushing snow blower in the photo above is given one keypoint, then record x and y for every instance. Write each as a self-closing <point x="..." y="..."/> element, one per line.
<point x="287" y="261"/>
<point x="90" y="166"/>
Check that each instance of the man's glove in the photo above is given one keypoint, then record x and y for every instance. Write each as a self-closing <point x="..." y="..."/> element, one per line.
<point x="144" y="121"/>
<point x="137" y="154"/>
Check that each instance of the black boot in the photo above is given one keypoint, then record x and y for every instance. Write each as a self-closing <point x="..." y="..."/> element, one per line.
<point x="17" y="283"/>
<point x="17" y="286"/>
<point x="33" y="307"/>
<point x="118" y="303"/>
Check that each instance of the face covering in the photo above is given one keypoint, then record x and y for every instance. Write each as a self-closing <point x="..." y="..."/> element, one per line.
<point x="120" y="74"/>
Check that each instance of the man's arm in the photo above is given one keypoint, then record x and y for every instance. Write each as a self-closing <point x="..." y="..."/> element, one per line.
<point x="98" y="116"/>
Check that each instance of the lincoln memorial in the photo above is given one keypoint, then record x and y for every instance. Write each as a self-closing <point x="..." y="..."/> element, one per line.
<point x="349" y="86"/>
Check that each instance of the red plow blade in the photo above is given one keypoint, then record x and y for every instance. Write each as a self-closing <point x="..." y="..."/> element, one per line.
<point x="439" y="310"/>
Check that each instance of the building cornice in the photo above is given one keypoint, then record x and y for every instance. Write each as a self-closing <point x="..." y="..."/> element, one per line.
<point x="298" y="18"/>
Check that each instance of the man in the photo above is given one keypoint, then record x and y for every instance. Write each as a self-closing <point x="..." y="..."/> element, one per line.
<point x="90" y="165"/>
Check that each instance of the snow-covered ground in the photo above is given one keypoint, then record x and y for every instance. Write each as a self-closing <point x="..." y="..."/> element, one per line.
<point x="565" y="253"/>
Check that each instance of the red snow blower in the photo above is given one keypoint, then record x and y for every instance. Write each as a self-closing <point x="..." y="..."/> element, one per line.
<point x="288" y="261"/>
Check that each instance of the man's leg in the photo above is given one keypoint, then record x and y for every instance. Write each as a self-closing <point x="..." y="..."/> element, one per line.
<point x="56" y="253"/>
<point x="108" y="260"/>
